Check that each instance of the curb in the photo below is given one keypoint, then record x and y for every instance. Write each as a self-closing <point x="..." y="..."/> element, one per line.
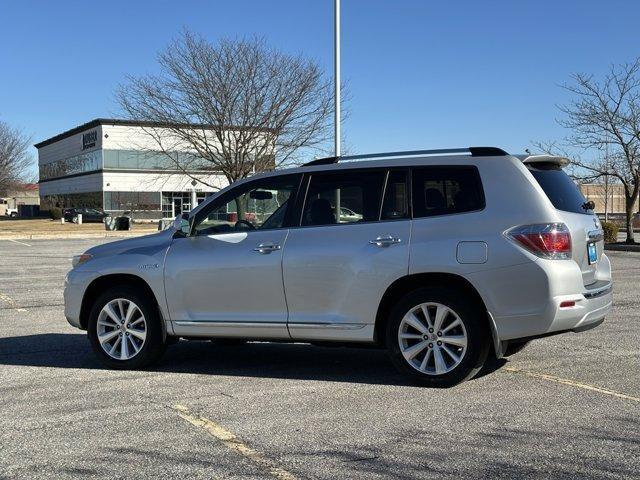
<point x="617" y="247"/>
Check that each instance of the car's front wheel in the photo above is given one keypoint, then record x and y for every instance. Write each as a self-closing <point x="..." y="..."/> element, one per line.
<point x="125" y="330"/>
<point x="437" y="337"/>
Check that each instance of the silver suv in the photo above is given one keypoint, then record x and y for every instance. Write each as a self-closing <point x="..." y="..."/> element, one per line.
<point x="442" y="257"/>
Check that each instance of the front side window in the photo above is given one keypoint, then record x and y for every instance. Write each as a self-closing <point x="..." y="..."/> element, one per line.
<point x="343" y="197"/>
<point x="255" y="206"/>
<point x="446" y="190"/>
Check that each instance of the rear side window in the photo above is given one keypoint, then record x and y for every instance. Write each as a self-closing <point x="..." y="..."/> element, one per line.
<point x="561" y="190"/>
<point x="343" y="197"/>
<point x="446" y="190"/>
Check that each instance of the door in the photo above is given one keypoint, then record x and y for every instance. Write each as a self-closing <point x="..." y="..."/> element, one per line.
<point x="586" y="231"/>
<point x="226" y="277"/>
<point x="336" y="269"/>
<point x="177" y="206"/>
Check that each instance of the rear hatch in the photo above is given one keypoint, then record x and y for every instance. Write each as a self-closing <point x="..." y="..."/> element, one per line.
<point x="586" y="232"/>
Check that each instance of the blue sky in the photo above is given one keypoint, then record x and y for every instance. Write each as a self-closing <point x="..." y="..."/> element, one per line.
<point x="421" y="74"/>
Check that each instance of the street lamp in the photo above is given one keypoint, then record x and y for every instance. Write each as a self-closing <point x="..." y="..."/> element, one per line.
<point x="336" y="76"/>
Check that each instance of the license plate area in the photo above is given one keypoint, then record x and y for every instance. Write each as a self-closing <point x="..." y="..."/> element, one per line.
<point x="592" y="252"/>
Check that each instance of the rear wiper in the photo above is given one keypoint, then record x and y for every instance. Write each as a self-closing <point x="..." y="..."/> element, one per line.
<point x="590" y="205"/>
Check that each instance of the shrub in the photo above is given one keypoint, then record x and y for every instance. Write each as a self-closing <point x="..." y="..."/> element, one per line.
<point x="56" y="213"/>
<point x="610" y="232"/>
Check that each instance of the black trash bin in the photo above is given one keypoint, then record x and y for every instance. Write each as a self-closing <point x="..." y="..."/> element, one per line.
<point x="123" y="223"/>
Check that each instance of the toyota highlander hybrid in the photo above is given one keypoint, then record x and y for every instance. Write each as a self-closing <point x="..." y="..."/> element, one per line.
<point x="443" y="257"/>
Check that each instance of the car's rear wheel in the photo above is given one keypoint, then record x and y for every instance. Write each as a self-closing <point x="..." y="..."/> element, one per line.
<point x="437" y="337"/>
<point x="125" y="330"/>
<point x="13" y="215"/>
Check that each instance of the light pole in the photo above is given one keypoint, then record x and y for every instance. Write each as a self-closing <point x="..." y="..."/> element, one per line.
<point x="336" y="75"/>
<point x="336" y="95"/>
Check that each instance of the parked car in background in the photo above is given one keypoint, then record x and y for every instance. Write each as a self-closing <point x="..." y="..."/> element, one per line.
<point x="88" y="215"/>
<point x="443" y="257"/>
<point x="11" y="212"/>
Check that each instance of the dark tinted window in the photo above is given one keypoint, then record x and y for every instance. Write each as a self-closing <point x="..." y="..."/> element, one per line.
<point x="396" y="196"/>
<point x="446" y="190"/>
<point x="561" y="190"/>
<point x="343" y="197"/>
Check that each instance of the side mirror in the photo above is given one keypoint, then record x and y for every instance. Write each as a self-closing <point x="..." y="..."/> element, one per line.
<point x="181" y="224"/>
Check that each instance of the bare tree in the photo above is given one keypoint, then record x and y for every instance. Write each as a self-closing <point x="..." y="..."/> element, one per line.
<point x="605" y="115"/>
<point x="14" y="156"/>
<point x="238" y="106"/>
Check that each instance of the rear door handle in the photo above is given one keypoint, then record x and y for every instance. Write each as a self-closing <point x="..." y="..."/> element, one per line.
<point x="265" y="248"/>
<point x="385" y="241"/>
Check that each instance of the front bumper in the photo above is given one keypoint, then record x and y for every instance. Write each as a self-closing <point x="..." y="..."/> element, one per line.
<point x="75" y="284"/>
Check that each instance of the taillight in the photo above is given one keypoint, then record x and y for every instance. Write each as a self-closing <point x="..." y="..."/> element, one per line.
<point x="546" y="240"/>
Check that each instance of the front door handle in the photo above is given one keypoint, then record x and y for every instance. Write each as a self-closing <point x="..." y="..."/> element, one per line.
<point x="265" y="248"/>
<point x="385" y="241"/>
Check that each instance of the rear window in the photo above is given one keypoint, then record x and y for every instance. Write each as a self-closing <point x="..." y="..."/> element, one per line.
<point x="561" y="190"/>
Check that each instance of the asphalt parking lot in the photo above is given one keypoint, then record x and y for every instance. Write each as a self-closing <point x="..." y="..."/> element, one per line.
<point x="566" y="407"/>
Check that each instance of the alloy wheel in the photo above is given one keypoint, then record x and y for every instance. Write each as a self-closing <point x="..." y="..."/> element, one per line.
<point x="121" y="329"/>
<point x="432" y="338"/>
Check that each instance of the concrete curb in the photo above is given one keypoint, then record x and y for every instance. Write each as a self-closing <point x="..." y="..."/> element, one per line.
<point x="621" y="247"/>
<point x="50" y="236"/>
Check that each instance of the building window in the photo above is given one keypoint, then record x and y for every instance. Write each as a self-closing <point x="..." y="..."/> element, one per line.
<point x="72" y="200"/>
<point x="86" y="162"/>
<point x="146" y="160"/>
<point x="132" y="201"/>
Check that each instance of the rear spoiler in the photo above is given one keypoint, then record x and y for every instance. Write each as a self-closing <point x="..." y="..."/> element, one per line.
<point x="533" y="159"/>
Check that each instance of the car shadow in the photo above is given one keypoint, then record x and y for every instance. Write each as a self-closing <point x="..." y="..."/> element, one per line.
<point x="253" y="359"/>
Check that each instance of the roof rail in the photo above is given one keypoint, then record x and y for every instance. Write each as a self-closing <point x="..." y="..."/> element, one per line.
<point x="474" y="151"/>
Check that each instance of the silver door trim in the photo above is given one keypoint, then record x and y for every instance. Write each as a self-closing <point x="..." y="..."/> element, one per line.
<point x="213" y="323"/>
<point x="333" y="326"/>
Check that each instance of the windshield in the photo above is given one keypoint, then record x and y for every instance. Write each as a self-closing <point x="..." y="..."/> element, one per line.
<point x="561" y="190"/>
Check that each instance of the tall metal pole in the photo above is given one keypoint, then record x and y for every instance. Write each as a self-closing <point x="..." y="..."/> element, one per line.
<point x="336" y="95"/>
<point x="336" y="76"/>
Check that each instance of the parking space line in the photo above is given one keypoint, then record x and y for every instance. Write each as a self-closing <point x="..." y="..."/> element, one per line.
<point x="233" y="443"/>
<point x="11" y="302"/>
<point x="572" y="383"/>
<point x="16" y="241"/>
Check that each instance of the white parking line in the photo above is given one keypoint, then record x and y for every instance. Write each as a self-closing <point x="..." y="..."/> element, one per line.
<point x="16" y="241"/>
<point x="11" y="302"/>
<point x="572" y="383"/>
<point x="234" y="443"/>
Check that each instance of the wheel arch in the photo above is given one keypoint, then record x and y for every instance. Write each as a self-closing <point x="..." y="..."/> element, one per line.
<point x="100" y="284"/>
<point x="409" y="283"/>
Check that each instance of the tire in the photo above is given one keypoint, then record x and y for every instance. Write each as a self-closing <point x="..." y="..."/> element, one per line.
<point x="515" y="347"/>
<point x="74" y="219"/>
<point x="151" y="347"/>
<point x="462" y="322"/>
<point x="13" y="215"/>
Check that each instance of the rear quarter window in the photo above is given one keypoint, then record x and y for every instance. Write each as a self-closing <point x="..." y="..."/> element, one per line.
<point x="560" y="189"/>
<point x="445" y="190"/>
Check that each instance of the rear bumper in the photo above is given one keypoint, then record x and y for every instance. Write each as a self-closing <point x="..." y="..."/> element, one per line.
<point x="526" y="302"/>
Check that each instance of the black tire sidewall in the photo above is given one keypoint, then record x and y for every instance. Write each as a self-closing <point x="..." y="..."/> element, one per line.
<point x="472" y="316"/>
<point x="154" y="344"/>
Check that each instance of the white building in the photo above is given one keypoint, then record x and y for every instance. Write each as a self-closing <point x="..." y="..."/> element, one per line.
<point x="111" y="164"/>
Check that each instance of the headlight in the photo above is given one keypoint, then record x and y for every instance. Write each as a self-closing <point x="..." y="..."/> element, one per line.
<point x="80" y="259"/>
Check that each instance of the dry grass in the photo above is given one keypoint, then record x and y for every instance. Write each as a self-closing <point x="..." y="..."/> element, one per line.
<point x="47" y="226"/>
